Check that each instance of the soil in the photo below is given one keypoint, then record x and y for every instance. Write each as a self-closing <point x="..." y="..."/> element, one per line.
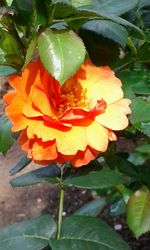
<point x="24" y="203"/>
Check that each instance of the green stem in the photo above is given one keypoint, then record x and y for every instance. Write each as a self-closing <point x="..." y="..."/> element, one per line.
<point x="132" y="46"/>
<point x="69" y="19"/>
<point x="124" y="65"/>
<point x="52" y="16"/>
<point x="60" y="211"/>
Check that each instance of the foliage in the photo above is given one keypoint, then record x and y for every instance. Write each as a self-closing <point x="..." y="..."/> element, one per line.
<point x="63" y="33"/>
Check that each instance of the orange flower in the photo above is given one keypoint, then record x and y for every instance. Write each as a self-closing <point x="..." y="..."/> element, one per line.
<point x="70" y="123"/>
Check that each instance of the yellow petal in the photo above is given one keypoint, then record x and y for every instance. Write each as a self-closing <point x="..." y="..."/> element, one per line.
<point x="69" y="142"/>
<point x="114" y="116"/>
<point x="30" y="111"/>
<point x="97" y="136"/>
<point x="101" y="83"/>
<point x="46" y="133"/>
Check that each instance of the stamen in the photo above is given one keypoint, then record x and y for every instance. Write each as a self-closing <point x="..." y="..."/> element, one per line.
<point x="72" y="96"/>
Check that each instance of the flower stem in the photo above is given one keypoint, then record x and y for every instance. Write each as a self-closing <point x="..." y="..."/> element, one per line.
<point x="61" y="201"/>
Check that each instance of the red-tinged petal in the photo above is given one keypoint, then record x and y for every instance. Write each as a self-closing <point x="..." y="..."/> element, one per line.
<point x="41" y="101"/>
<point x="83" y="158"/>
<point x="97" y="136"/>
<point x="54" y="123"/>
<point x="29" y="110"/>
<point x="69" y="142"/>
<point x="51" y="87"/>
<point x="44" y="151"/>
<point x="115" y="115"/>
<point x="9" y="97"/>
<point x="25" y="142"/>
<point x="74" y="115"/>
<point x="30" y="75"/>
<point x="100" y="83"/>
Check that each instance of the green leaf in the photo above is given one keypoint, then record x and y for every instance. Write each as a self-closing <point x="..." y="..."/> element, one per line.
<point x="24" y="11"/>
<point x="138" y="212"/>
<point x="102" y="51"/>
<point x="49" y="173"/>
<point x="104" y="178"/>
<point x="144" y="3"/>
<point x="92" y="208"/>
<point x="6" y="136"/>
<point x="136" y="158"/>
<point x="145" y="128"/>
<point x="5" y="40"/>
<point x="115" y="7"/>
<point x="20" y="165"/>
<point x="138" y="33"/>
<point x="78" y="3"/>
<point x="7" y="70"/>
<point x="108" y="29"/>
<point x="117" y="208"/>
<point x="140" y="110"/>
<point x="79" y="232"/>
<point x="41" y="12"/>
<point x="57" y="50"/>
<point x="30" y="52"/>
<point x="62" y="9"/>
<point x="135" y="82"/>
<point x="9" y="2"/>
<point x="9" y="55"/>
<point x="32" y="234"/>
<point x="144" y="53"/>
<point x="123" y="165"/>
<point x="145" y="148"/>
<point x="90" y="11"/>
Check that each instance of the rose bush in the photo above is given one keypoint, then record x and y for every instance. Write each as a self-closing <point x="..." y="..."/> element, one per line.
<point x="66" y="110"/>
<point x="73" y="122"/>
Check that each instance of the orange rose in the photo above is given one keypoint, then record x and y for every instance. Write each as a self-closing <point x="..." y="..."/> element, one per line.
<point x="70" y="123"/>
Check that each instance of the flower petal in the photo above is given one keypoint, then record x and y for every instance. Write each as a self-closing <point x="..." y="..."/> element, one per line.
<point x="31" y="74"/>
<point x="29" y="110"/>
<point x="83" y="157"/>
<point x="14" y="112"/>
<point x="9" y="96"/>
<point x="25" y="141"/>
<point x="74" y="115"/>
<point x="44" y="151"/>
<point x="115" y="115"/>
<point x="111" y="135"/>
<point x="41" y="101"/>
<point x="100" y="83"/>
<point x="69" y="142"/>
<point x="97" y="136"/>
<point x="46" y="133"/>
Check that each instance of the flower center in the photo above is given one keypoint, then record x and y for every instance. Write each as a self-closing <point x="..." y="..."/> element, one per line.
<point x="72" y="96"/>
